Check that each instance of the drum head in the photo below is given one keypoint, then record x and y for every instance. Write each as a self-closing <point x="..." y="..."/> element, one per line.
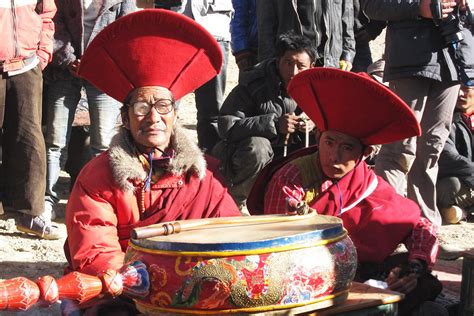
<point x="243" y="237"/>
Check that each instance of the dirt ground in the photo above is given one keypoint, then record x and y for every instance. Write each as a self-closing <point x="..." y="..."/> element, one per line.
<point x="22" y="255"/>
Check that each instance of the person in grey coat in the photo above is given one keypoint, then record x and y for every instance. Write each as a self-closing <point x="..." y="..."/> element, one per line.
<point x="421" y="70"/>
<point x="328" y="24"/>
<point x="259" y="119"/>
<point x="77" y="22"/>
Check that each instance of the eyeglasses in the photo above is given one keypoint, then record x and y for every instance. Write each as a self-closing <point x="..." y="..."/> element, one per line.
<point x="163" y="106"/>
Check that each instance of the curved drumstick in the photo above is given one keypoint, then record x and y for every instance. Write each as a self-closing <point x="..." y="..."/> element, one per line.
<point x="21" y="293"/>
<point x="168" y="228"/>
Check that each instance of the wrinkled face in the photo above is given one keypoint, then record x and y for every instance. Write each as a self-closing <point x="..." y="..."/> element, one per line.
<point x="292" y="63"/>
<point x="338" y="153"/>
<point x="153" y="129"/>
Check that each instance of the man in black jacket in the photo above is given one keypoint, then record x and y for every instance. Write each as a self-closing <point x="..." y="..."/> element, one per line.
<point x="421" y="70"/>
<point x="328" y="24"/>
<point x="365" y="30"/>
<point x="259" y="119"/>
<point x="455" y="185"/>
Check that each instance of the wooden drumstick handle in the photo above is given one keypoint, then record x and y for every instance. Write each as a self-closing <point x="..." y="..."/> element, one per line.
<point x="156" y="230"/>
<point x="285" y="145"/>
<point x="163" y="229"/>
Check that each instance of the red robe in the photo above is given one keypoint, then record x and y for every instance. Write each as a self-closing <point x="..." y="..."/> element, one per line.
<point x="104" y="205"/>
<point x="376" y="217"/>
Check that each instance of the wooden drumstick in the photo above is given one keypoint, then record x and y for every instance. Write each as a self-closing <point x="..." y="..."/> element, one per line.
<point x="285" y="146"/>
<point x="306" y="134"/>
<point x="168" y="228"/>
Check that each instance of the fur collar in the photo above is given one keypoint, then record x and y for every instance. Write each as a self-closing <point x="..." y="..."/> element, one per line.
<point x="126" y="167"/>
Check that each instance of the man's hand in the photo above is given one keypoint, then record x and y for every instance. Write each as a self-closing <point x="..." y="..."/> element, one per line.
<point x="244" y="59"/>
<point x="463" y="4"/>
<point x="304" y="121"/>
<point x="287" y="123"/>
<point x="447" y="6"/>
<point x="345" y="65"/>
<point x="74" y="67"/>
<point x="404" y="284"/>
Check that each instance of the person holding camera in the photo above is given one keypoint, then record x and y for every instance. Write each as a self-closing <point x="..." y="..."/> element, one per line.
<point x="329" y="25"/>
<point x="423" y="68"/>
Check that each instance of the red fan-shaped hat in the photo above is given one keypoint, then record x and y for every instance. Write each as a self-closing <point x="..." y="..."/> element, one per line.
<point x="353" y="104"/>
<point x="151" y="48"/>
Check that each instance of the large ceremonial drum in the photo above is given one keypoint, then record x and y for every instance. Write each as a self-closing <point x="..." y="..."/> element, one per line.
<point x="247" y="268"/>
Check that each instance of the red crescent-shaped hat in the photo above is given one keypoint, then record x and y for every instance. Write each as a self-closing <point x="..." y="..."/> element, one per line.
<point x="353" y="104"/>
<point x="151" y="48"/>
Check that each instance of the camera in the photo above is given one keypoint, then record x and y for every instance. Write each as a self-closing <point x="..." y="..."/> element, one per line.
<point x="451" y="26"/>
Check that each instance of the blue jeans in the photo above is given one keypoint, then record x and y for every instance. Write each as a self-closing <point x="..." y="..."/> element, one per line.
<point x="209" y="98"/>
<point x="63" y="97"/>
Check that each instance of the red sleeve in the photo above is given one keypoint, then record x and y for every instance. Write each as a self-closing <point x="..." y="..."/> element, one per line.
<point x="283" y="182"/>
<point x="92" y="232"/>
<point x="45" y="45"/>
<point x="423" y="243"/>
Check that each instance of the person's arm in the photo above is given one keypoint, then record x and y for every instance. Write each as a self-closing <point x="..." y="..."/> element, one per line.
<point x="64" y="52"/>
<point x="47" y="10"/>
<point x="404" y="278"/>
<point x="240" y="30"/>
<point x="238" y="118"/>
<point x="92" y="232"/>
<point x="267" y="23"/>
<point x="388" y="10"/>
<point x="127" y="7"/>
<point x="374" y="28"/>
<point x="423" y="244"/>
<point x="284" y="185"/>
<point x="422" y="247"/>
<point x="348" y="42"/>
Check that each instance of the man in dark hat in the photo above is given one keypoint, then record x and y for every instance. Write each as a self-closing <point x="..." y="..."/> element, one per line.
<point x="153" y="171"/>
<point x="334" y="180"/>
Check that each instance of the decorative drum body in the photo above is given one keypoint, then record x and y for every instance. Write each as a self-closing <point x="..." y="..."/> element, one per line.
<point x="247" y="268"/>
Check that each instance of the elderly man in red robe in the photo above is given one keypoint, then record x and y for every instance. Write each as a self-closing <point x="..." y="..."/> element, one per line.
<point x="334" y="180"/>
<point x="153" y="171"/>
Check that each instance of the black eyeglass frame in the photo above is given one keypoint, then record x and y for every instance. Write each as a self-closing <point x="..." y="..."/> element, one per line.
<point x="159" y="107"/>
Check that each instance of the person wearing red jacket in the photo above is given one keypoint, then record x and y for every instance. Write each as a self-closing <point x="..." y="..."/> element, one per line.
<point x="334" y="179"/>
<point x="26" y="47"/>
<point x="153" y="171"/>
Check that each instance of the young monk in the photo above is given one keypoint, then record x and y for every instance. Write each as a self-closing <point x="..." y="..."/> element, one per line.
<point x="352" y="113"/>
